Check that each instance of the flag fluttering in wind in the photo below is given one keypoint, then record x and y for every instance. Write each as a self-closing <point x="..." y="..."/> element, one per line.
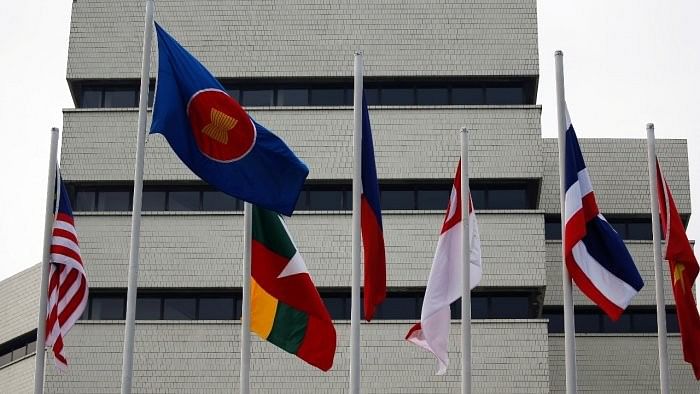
<point x="371" y="223"/>
<point x="445" y="280"/>
<point x="684" y="270"/>
<point x="286" y="308"/>
<point x="68" y="286"/>
<point x="595" y="255"/>
<point x="212" y="134"/>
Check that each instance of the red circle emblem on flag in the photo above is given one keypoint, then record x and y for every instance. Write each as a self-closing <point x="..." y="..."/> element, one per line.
<point x="222" y="129"/>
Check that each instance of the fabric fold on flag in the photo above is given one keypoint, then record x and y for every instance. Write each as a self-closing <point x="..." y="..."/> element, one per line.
<point x="68" y="286"/>
<point x="286" y="309"/>
<point x="215" y="137"/>
<point x="371" y="223"/>
<point x="596" y="257"/>
<point x="684" y="270"/>
<point x="445" y="280"/>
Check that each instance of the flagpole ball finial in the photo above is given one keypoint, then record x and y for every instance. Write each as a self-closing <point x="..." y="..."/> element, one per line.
<point x="359" y="52"/>
<point x="464" y="130"/>
<point x="558" y="52"/>
<point x="54" y="129"/>
<point x="650" y="126"/>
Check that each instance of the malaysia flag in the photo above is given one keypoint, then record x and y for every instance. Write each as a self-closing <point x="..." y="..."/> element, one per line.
<point x="371" y="224"/>
<point x="597" y="259"/>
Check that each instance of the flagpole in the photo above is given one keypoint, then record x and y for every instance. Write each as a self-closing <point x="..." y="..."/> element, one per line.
<point x="658" y="270"/>
<point x="466" y="268"/>
<point x="130" y="324"/>
<point x="356" y="186"/>
<point x="45" y="262"/>
<point x="245" y="314"/>
<point x="569" y="328"/>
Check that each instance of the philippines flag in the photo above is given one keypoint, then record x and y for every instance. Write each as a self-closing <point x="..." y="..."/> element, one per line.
<point x="371" y="223"/>
<point x="445" y="280"/>
<point x="68" y="287"/>
<point x="214" y="136"/>
<point x="595" y="255"/>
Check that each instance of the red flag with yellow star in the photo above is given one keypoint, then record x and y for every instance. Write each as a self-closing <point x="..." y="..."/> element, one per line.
<point x="684" y="270"/>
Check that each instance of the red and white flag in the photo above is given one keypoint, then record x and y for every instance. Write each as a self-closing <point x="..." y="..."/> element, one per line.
<point x="68" y="287"/>
<point x="445" y="281"/>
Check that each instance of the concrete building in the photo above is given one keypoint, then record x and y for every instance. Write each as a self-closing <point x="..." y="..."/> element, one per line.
<point x="431" y="67"/>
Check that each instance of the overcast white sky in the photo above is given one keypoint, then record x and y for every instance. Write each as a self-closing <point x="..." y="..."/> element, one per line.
<point x="627" y="62"/>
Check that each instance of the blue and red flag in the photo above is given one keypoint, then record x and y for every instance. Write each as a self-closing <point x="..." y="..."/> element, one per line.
<point x="214" y="136"/>
<point x="595" y="255"/>
<point x="371" y="223"/>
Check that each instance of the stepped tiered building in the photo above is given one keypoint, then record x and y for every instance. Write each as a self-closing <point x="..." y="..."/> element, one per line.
<point x="431" y="67"/>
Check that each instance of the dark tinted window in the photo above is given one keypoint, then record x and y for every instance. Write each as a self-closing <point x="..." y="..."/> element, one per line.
<point x="338" y="306"/>
<point x="113" y="201"/>
<point x="552" y="229"/>
<point x="19" y="353"/>
<point x="639" y="230"/>
<point x="153" y="201"/>
<point x="587" y="322"/>
<point x="509" y="307"/>
<point x="672" y="322"/>
<point x="467" y="96"/>
<point x="397" y="199"/>
<point x="433" y="199"/>
<point x="507" y="199"/>
<point x="478" y="198"/>
<point x="397" y="96"/>
<point x="371" y="96"/>
<point x="302" y="201"/>
<point x="218" y="201"/>
<point x="120" y="97"/>
<point x="432" y="96"/>
<point x="257" y="97"/>
<point x="5" y="358"/>
<point x="330" y="97"/>
<point x="84" y="201"/>
<point x="556" y="322"/>
<point x="92" y="98"/>
<point x="326" y="200"/>
<point x="292" y="97"/>
<point x="31" y="347"/>
<point x="234" y="93"/>
<point x="480" y="307"/>
<point x="216" y="308"/>
<point x="498" y="96"/>
<point x="644" y="322"/>
<point x="398" y="308"/>
<point x="107" y="308"/>
<point x="148" y="308"/>
<point x="179" y="308"/>
<point x="183" y="201"/>
<point x="623" y="324"/>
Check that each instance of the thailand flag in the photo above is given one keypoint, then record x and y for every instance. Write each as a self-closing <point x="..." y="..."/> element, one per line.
<point x="371" y="224"/>
<point x="595" y="255"/>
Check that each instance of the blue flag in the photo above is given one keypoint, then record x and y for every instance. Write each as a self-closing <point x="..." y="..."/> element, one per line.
<point x="214" y="136"/>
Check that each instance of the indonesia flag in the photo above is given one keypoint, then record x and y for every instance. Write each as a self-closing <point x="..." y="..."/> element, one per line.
<point x="445" y="280"/>
<point x="371" y="223"/>
<point x="595" y="255"/>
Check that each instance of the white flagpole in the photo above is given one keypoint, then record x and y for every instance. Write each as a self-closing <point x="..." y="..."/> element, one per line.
<point x="356" y="190"/>
<point x="658" y="270"/>
<point x="130" y="324"/>
<point x="245" y="315"/>
<point x="44" y="289"/>
<point x="569" y="329"/>
<point x="466" y="268"/>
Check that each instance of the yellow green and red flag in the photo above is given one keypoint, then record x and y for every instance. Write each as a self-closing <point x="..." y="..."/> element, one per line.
<point x="286" y="308"/>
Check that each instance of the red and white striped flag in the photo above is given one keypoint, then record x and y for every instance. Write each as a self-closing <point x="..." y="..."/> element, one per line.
<point x="445" y="281"/>
<point x="68" y="287"/>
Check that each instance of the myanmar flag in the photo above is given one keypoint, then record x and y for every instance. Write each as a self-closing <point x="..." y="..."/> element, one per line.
<point x="286" y="308"/>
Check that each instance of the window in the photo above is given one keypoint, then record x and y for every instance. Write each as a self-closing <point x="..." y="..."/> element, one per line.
<point x="218" y="201"/>
<point x="593" y="320"/>
<point x="125" y="97"/>
<point x="153" y="200"/>
<point x="287" y="97"/>
<point x="328" y="97"/>
<point x="257" y="97"/>
<point x="176" y="308"/>
<point x="397" y="199"/>
<point x="216" y="308"/>
<point x="629" y="228"/>
<point x="433" y="199"/>
<point x="107" y="308"/>
<point x="148" y="308"/>
<point x="183" y="200"/>
<point x="124" y="94"/>
<point x="17" y="347"/>
<point x="113" y="201"/>
<point x="552" y="227"/>
<point x="326" y="200"/>
<point x="85" y="200"/>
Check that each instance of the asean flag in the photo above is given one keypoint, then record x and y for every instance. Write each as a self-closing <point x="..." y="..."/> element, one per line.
<point x="212" y="134"/>
<point x="371" y="224"/>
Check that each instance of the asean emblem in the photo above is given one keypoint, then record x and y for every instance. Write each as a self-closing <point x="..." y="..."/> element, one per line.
<point x="220" y="127"/>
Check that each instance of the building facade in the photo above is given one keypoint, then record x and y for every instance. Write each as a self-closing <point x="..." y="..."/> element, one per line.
<point x="431" y="67"/>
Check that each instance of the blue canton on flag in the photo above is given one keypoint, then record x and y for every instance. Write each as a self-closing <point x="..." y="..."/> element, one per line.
<point x="212" y="134"/>
<point x="596" y="257"/>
